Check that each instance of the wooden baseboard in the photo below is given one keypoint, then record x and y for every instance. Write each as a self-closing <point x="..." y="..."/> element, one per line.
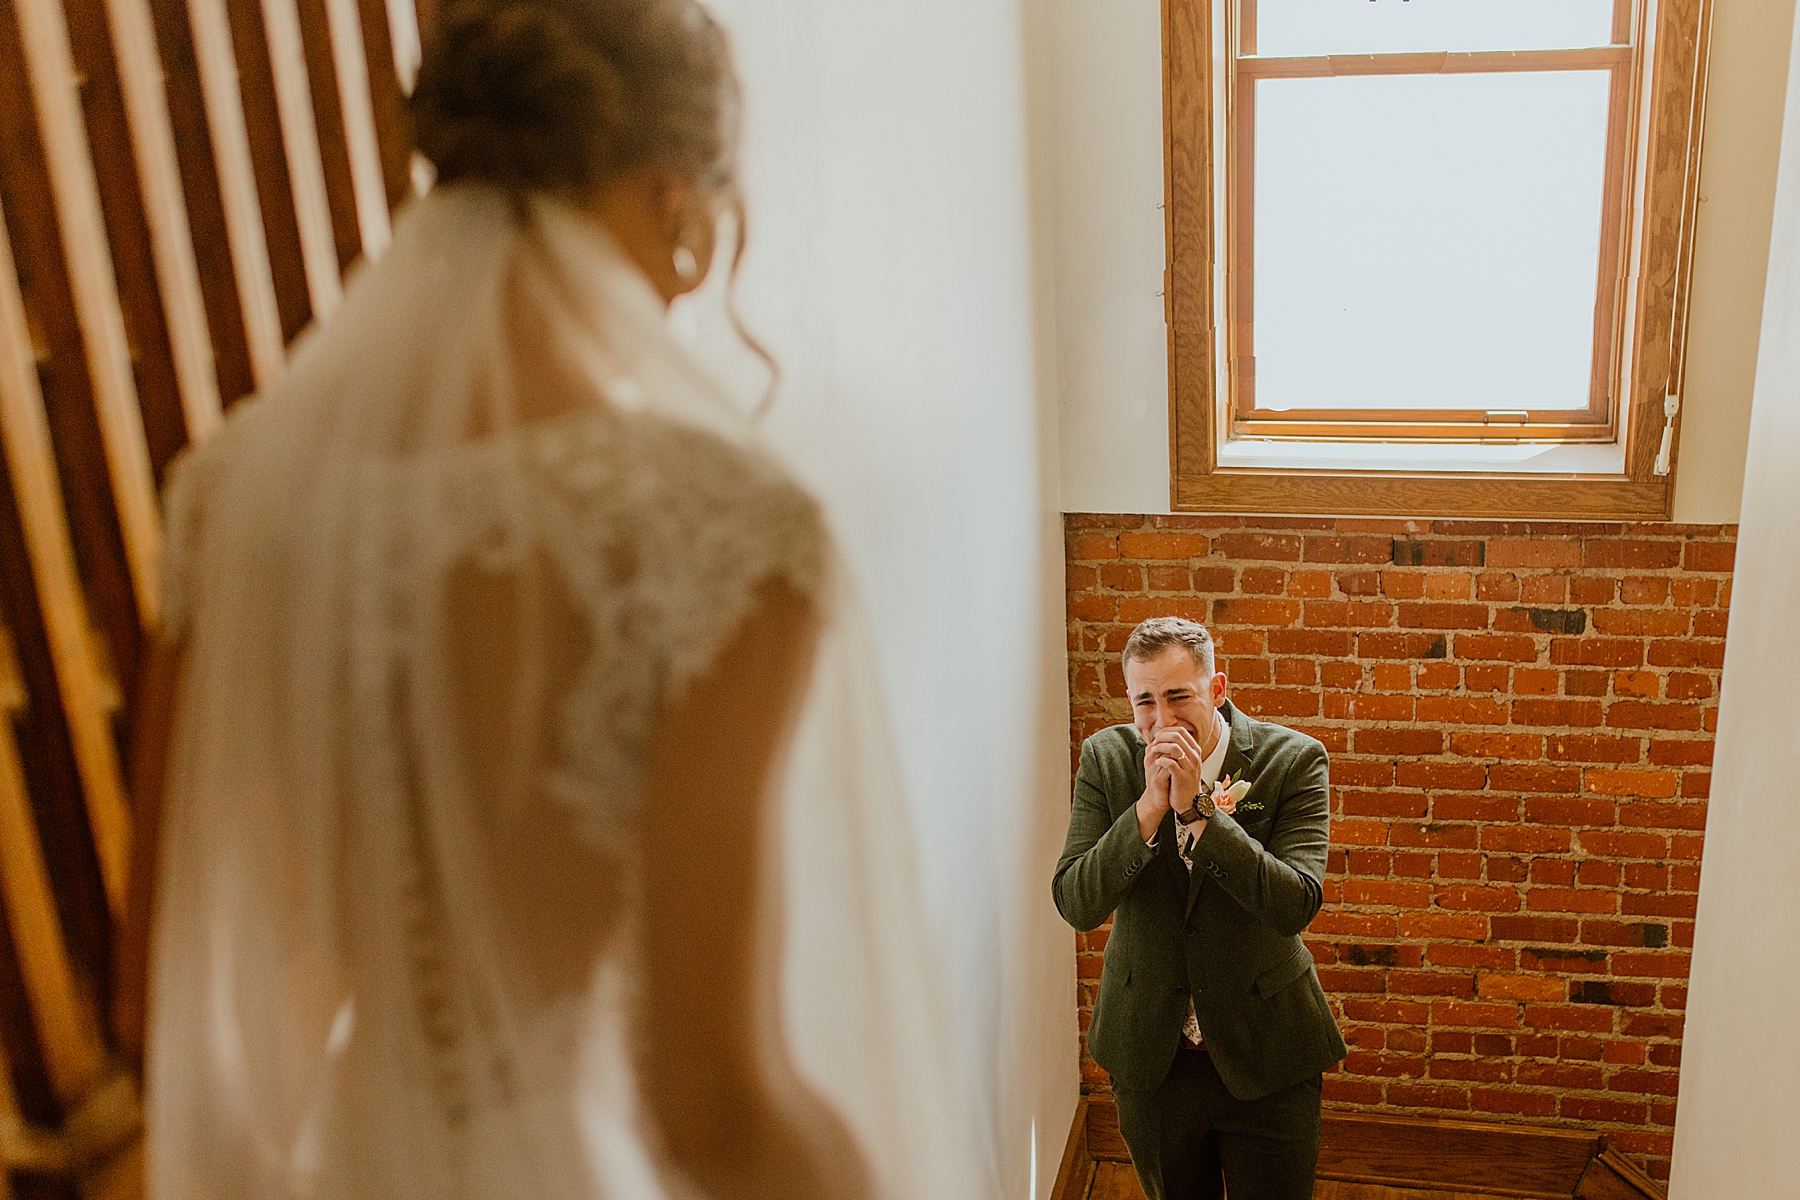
<point x="1612" y="1176"/>
<point x="1460" y="1156"/>
<point x="1075" y="1176"/>
<point x="1526" y="1162"/>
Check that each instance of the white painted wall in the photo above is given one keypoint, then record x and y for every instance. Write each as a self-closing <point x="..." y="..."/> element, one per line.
<point x="891" y="269"/>
<point x="1746" y="92"/>
<point x="1740" y="1071"/>
<point x="1102" y="117"/>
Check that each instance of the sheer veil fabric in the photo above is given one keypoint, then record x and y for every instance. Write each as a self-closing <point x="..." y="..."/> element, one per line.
<point x="345" y="999"/>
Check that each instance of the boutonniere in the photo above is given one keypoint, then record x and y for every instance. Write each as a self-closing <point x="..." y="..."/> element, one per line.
<point x="1227" y="796"/>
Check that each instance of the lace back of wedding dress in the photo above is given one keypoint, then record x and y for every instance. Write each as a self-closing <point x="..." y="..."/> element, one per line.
<point x="377" y="574"/>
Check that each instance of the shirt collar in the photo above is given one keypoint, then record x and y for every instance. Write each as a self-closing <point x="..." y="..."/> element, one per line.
<point x="1209" y="770"/>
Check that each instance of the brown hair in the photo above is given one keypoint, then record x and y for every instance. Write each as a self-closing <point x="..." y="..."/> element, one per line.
<point x="565" y="95"/>
<point x="1157" y="634"/>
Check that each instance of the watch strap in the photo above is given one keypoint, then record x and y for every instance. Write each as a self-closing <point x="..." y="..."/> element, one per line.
<point x="1203" y="807"/>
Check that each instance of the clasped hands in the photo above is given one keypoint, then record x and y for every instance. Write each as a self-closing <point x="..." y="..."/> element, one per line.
<point x="1172" y="761"/>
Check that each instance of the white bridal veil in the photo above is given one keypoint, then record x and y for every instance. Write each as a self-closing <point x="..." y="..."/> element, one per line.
<point x="332" y="1010"/>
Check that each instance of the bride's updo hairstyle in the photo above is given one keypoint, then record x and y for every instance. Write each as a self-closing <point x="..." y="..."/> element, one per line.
<point x="565" y="95"/>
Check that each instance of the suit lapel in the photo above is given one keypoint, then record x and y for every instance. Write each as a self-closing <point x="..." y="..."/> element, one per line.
<point x="1237" y="761"/>
<point x="1237" y="754"/>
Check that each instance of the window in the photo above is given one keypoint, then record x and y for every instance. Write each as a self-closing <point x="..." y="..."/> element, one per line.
<point x="1451" y="235"/>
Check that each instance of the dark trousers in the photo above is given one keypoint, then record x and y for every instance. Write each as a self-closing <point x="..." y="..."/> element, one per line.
<point x="1190" y="1139"/>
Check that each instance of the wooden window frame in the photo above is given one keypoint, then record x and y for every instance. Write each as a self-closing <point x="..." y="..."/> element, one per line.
<point x="1655" y="127"/>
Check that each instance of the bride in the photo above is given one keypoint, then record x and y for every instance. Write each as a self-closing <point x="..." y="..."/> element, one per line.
<point x="528" y="826"/>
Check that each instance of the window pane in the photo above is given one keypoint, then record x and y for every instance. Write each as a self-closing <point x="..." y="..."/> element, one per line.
<point x="1301" y="27"/>
<point x="1428" y="241"/>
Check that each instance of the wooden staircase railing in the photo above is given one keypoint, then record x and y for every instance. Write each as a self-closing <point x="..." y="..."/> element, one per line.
<point x="183" y="184"/>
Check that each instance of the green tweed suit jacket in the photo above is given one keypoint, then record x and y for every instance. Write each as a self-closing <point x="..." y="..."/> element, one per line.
<point x="1229" y="935"/>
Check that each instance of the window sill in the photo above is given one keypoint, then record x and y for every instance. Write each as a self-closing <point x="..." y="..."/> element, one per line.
<point x="1566" y="459"/>
<point x="1516" y="482"/>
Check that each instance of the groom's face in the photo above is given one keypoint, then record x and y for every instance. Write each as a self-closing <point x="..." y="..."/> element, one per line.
<point x="1168" y="690"/>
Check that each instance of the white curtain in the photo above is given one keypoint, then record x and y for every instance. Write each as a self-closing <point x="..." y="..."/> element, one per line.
<point x="1740" y="1073"/>
<point x="891" y="271"/>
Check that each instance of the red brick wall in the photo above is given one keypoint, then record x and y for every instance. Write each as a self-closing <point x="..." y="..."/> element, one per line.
<point x="1520" y="719"/>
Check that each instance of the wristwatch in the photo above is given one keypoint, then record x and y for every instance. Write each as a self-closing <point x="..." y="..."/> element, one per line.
<point x="1202" y="809"/>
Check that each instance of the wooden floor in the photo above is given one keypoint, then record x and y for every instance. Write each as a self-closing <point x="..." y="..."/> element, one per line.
<point x="1114" y="1181"/>
<point x="1117" y="1181"/>
<point x="1330" y="1190"/>
<point x="1399" y="1157"/>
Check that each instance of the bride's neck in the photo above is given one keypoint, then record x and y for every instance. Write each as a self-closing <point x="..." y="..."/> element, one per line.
<point x="637" y="210"/>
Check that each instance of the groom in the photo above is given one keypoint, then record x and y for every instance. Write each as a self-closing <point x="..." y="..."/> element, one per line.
<point x="1210" y="1018"/>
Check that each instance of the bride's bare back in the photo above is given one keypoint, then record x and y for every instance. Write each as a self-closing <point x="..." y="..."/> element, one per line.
<point x="714" y="1072"/>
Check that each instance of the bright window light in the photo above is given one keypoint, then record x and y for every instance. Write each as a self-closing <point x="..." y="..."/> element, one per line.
<point x="1428" y="241"/>
<point x="1311" y="27"/>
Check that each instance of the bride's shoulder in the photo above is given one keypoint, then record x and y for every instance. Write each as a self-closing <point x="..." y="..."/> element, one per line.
<point x="197" y="470"/>
<point x="707" y="499"/>
<point x="189" y="486"/>
<point x="586" y="446"/>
